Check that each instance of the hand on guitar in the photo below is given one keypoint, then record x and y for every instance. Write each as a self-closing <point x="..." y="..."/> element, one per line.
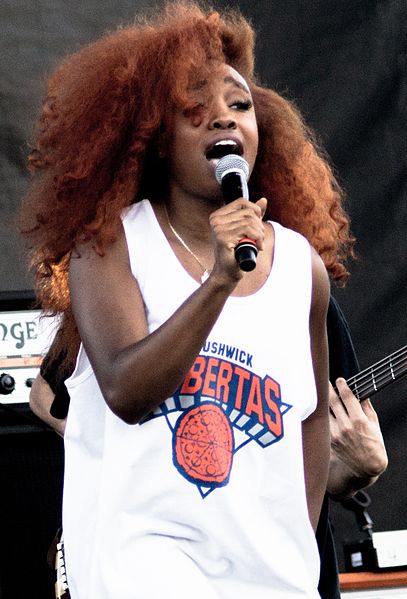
<point x="358" y="453"/>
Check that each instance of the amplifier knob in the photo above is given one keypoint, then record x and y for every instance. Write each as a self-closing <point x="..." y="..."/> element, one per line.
<point x="7" y="384"/>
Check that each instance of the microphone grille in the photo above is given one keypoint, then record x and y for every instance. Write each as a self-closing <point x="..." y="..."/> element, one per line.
<point x="231" y="162"/>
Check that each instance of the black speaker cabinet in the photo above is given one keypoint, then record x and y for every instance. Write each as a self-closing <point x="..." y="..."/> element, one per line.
<point x="31" y="475"/>
<point x="31" y="460"/>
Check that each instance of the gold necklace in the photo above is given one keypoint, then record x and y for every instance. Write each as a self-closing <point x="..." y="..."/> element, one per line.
<point x="206" y="272"/>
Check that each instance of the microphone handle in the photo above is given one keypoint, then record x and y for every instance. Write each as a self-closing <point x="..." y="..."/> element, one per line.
<point x="234" y="186"/>
<point x="246" y="254"/>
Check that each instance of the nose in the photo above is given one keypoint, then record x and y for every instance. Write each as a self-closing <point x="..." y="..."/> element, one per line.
<point x="223" y="123"/>
<point x="222" y="118"/>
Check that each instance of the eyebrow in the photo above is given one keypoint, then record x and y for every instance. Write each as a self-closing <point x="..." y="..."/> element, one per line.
<point x="237" y="83"/>
<point x="228" y="79"/>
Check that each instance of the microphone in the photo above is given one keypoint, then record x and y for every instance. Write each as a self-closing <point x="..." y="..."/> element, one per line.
<point x="232" y="172"/>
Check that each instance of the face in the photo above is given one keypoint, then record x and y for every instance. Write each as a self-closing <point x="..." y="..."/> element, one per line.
<point x="222" y="122"/>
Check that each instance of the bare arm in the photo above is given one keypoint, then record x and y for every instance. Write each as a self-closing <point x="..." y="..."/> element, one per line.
<point x="41" y="398"/>
<point x="358" y="453"/>
<point x="316" y="439"/>
<point x="136" y="370"/>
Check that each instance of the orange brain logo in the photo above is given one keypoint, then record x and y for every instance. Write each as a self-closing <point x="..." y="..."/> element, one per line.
<point x="203" y="445"/>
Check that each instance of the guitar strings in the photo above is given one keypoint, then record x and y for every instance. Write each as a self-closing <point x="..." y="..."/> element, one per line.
<point x="380" y="374"/>
<point x="398" y="355"/>
<point x="383" y="368"/>
<point x="376" y="380"/>
<point x="370" y="389"/>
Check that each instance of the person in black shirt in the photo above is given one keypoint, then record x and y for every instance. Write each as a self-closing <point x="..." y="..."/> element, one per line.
<point x="358" y="454"/>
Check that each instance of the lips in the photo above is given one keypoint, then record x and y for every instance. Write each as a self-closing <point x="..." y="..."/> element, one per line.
<point x="222" y="147"/>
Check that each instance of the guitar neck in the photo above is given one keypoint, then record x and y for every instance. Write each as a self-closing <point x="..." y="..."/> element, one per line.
<point x="379" y="375"/>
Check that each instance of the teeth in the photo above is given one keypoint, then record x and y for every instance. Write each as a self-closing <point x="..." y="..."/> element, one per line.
<point x="221" y="148"/>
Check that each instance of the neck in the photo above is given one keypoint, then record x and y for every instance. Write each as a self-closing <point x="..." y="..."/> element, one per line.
<point x="190" y="217"/>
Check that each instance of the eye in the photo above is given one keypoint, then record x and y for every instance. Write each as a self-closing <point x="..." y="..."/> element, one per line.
<point x="243" y="105"/>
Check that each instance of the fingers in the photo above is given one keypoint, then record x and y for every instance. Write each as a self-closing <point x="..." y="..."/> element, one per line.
<point x="333" y="426"/>
<point x="356" y="438"/>
<point x="333" y="396"/>
<point x="262" y="204"/>
<point x="349" y="400"/>
<point x="238" y="220"/>
<point x="335" y="403"/>
<point x="348" y="405"/>
<point x="344" y="389"/>
<point x="344" y="404"/>
<point x="369" y="411"/>
<point x="241" y="210"/>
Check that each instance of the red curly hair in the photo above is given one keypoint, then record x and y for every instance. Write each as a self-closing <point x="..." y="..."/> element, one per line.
<point x="96" y="144"/>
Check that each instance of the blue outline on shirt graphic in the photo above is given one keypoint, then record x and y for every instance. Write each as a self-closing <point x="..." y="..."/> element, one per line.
<point x="253" y="425"/>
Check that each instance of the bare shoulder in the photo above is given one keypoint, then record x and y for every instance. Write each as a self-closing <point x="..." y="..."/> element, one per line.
<point x="319" y="272"/>
<point x="86" y="256"/>
<point x="320" y="283"/>
<point x="101" y="273"/>
<point x="106" y="298"/>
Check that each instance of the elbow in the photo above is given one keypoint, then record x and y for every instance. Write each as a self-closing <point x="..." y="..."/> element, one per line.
<point x="130" y="408"/>
<point x="33" y="405"/>
<point x="132" y="395"/>
<point x="34" y="402"/>
<point x="127" y="416"/>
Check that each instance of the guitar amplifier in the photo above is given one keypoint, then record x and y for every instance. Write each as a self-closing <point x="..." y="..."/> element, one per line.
<point x="25" y="336"/>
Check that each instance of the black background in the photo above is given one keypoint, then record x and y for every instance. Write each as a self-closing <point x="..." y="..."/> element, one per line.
<point x="345" y="65"/>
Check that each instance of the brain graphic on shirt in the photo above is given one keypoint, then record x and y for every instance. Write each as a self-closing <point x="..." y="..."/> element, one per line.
<point x="203" y="445"/>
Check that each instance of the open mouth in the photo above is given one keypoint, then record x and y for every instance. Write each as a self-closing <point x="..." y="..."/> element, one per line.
<point x="223" y="148"/>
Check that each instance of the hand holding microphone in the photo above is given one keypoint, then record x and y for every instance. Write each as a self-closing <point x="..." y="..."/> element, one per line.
<point x="232" y="172"/>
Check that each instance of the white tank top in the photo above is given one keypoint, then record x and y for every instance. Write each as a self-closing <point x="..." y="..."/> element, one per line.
<point x="206" y="497"/>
